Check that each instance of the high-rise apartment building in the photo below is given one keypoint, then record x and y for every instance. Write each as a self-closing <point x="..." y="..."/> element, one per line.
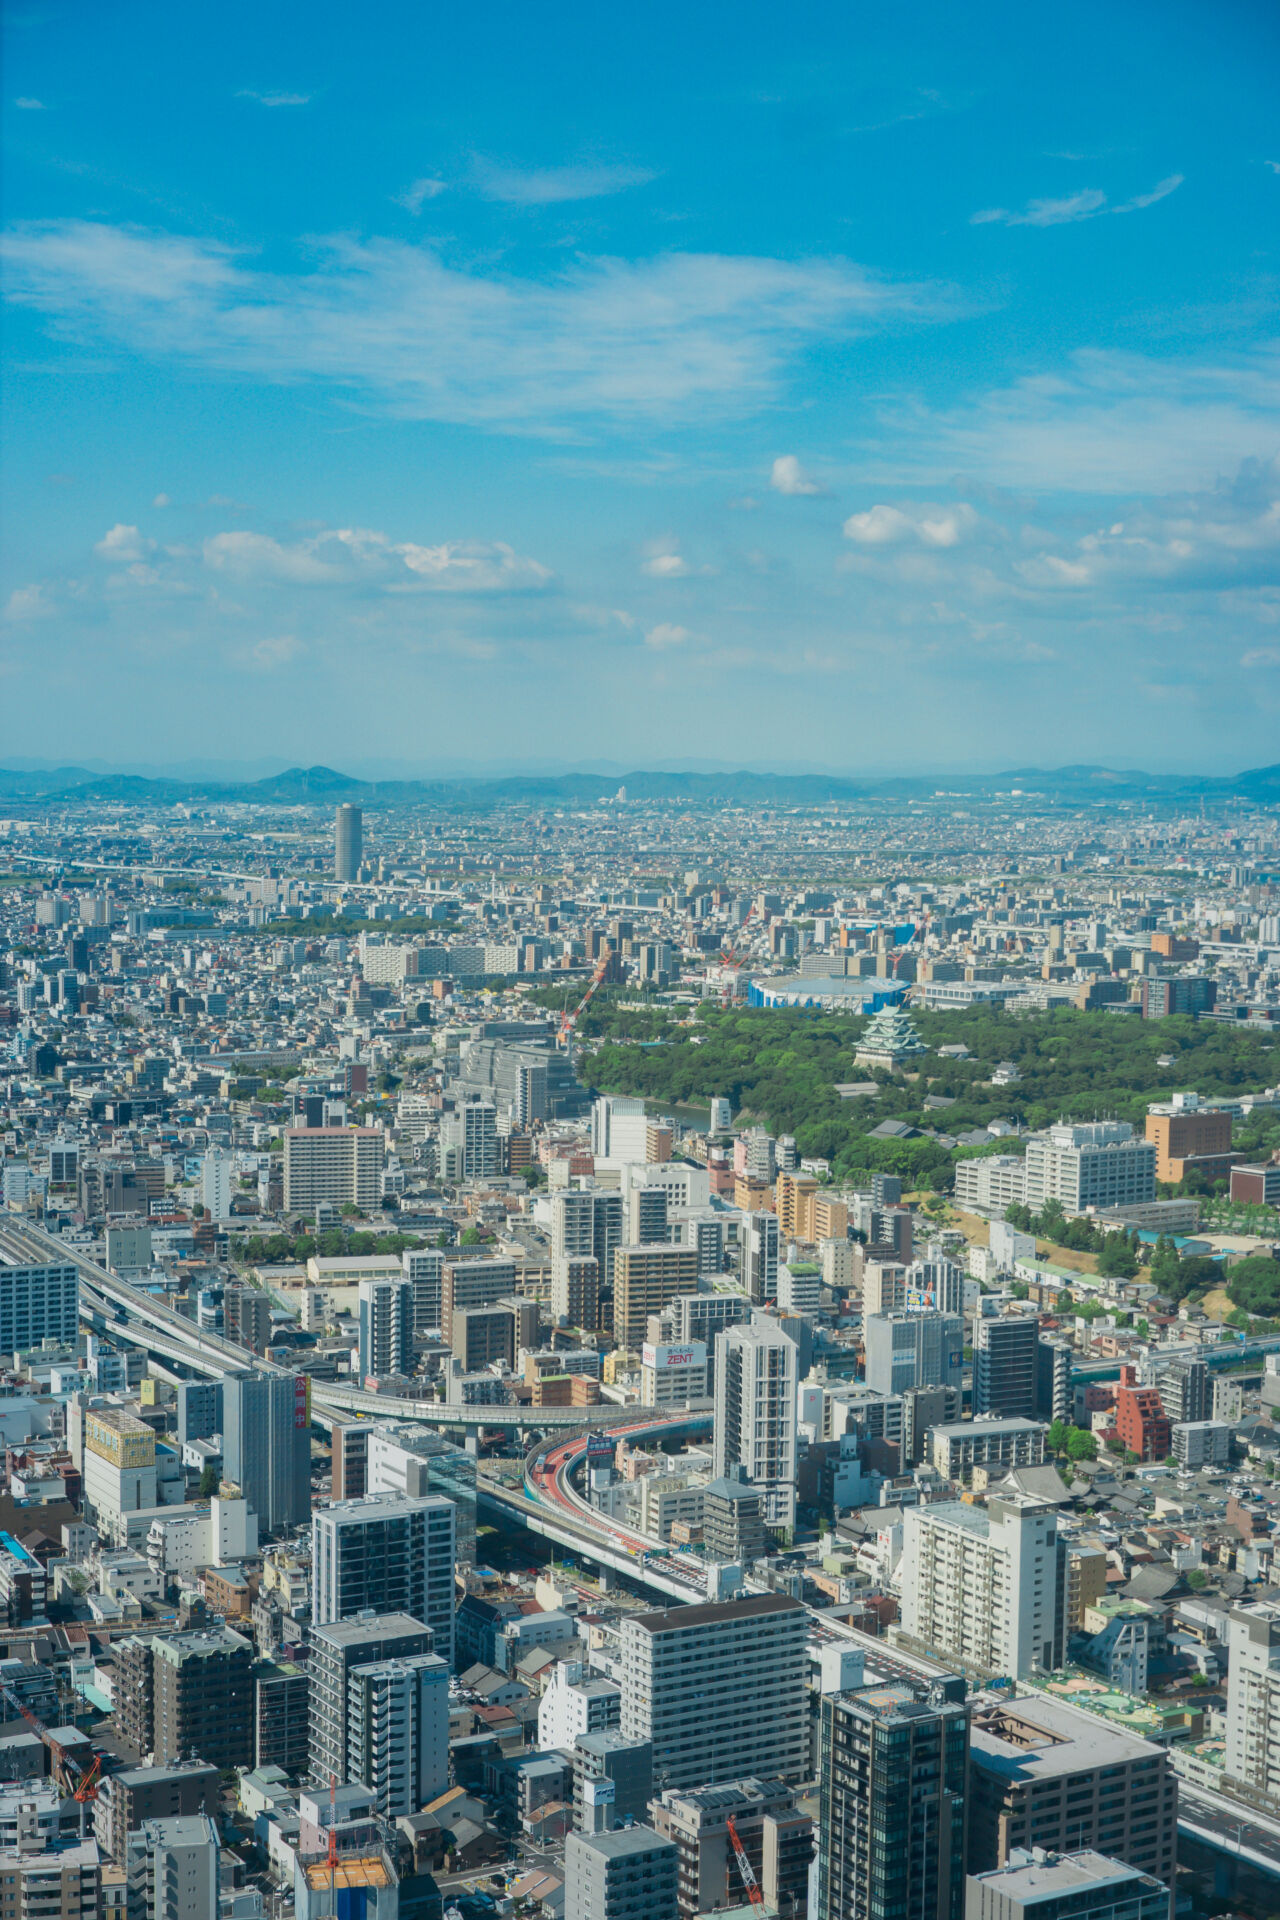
<point x="701" y="1317"/>
<point x="63" y="1882"/>
<point x="646" y="1278"/>
<point x="386" y="1328"/>
<point x="755" y="1413"/>
<point x="1006" y="1362"/>
<point x="469" y="1142"/>
<point x="1253" y="1699"/>
<point x="775" y="1835"/>
<point x="424" y="1270"/>
<point x="1187" y="1136"/>
<point x="266" y="1445"/>
<point x="907" y="1350"/>
<point x="759" y="1242"/>
<point x="720" y="1690"/>
<point x="385" y="1554"/>
<point x="333" y="1166"/>
<point x="37" y="1303"/>
<point x="646" y="1215"/>
<point x="473" y="1283"/>
<point x="348" y="842"/>
<point x="1185" y="1390"/>
<point x="398" y="1730"/>
<point x="984" y="1586"/>
<point x="337" y="1650"/>
<point x="587" y="1221"/>
<point x="171" y="1869"/>
<point x="201" y="1697"/>
<point x="575" y="1291"/>
<point x="893" y="1763"/>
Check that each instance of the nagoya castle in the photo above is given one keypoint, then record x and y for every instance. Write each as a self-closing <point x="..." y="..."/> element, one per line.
<point x="888" y="1040"/>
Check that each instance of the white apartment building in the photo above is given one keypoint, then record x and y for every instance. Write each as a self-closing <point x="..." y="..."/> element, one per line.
<point x="398" y="1730"/>
<point x="1097" y="1164"/>
<point x="576" y="1702"/>
<point x="939" y="1279"/>
<point x="721" y="1690"/>
<point x="386" y="1554"/>
<point x="217" y="1182"/>
<point x="667" y="1499"/>
<point x="755" y="1413"/>
<point x="332" y="1165"/>
<point x="983" y="1587"/>
<point x="1253" y="1698"/>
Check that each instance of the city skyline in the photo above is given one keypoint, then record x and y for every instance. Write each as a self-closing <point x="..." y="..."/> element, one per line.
<point x="738" y="389"/>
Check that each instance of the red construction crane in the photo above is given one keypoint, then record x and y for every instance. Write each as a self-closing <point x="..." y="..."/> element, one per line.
<point x="918" y="932"/>
<point x="86" y="1786"/>
<point x="733" y="959"/>
<point x="569" y="1021"/>
<point x="745" y="1867"/>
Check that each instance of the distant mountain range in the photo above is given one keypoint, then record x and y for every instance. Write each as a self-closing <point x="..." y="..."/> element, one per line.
<point x="322" y="786"/>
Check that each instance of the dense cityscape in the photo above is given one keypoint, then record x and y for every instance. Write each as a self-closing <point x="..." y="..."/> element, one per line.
<point x="639" y="1357"/>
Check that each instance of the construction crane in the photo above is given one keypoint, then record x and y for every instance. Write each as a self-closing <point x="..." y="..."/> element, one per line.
<point x="733" y="959"/>
<point x="85" y="1789"/>
<point x="920" y="932"/>
<point x="569" y="1021"/>
<point x="745" y="1867"/>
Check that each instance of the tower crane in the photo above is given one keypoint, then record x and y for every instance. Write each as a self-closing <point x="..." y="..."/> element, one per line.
<point x="86" y="1778"/>
<point x="569" y="1021"/>
<point x="745" y="1867"/>
<point x="733" y="958"/>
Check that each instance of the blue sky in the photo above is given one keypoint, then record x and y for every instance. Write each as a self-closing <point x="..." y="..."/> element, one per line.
<point x="503" y="385"/>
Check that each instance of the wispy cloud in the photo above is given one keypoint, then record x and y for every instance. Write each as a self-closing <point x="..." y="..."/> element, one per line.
<point x="665" y="636"/>
<point x="545" y="186"/>
<point x="354" y="554"/>
<point x="28" y="105"/>
<point x="1087" y="204"/>
<point x="416" y="195"/>
<point x="677" y="337"/>
<point x="274" y="99"/>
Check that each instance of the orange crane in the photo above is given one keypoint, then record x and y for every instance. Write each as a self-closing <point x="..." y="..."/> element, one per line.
<point x="745" y="1867"/>
<point x="86" y="1787"/>
<point x="569" y="1021"/>
<point x="733" y="959"/>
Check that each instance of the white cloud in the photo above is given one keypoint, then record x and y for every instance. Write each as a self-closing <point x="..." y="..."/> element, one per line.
<point x="547" y="186"/>
<point x="416" y="195"/>
<point x="668" y="566"/>
<point x="678" y="337"/>
<point x="1087" y="204"/>
<point x="28" y="105"/>
<point x="268" y="656"/>
<point x="788" y="476"/>
<point x="354" y="554"/>
<point x="1261" y="657"/>
<point x="884" y="526"/>
<point x="274" y="99"/>
<point x="27" y="603"/>
<point x="124" y="544"/>
<point x="664" y="635"/>
<point x="162" y="500"/>
<point x="1106" y="423"/>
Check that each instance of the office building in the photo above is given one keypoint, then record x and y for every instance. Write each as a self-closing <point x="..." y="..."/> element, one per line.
<point x="884" y="1287"/>
<point x="348" y="842"/>
<point x="759" y="1241"/>
<point x="1046" y="1774"/>
<point x="646" y="1278"/>
<point x="199" y="1409"/>
<point x="619" y="1129"/>
<point x="672" y="1376"/>
<point x="905" y="1350"/>
<point x="1188" y="1137"/>
<point x="412" y="1461"/>
<point x="266" y="1445"/>
<point x="484" y="1337"/>
<point x="386" y="1328"/>
<point x="424" y="1270"/>
<point x="1201" y="1443"/>
<point x="627" y="1875"/>
<point x="473" y="1283"/>
<point x="700" y="1317"/>
<point x="891" y="1823"/>
<point x="981" y="1587"/>
<point x="937" y="1280"/>
<point x="385" y="1554"/>
<point x="119" y="1468"/>
<point x="398" y="1730"/>
<point x="1095" y="1163"/>
<point x="1006" y="1366"/>
<point x="626" y="1765"/>
<point x="37" y="1303"/>
<point x="1076" y="1886"/>
<point x="333" y="1166"/>
<point x="755" y="1413"/>
<point x="775" y="1835"/>
<point x="1185" y="994"/>
<point x="720" y="1690"/>
<point x="172" y="1869"/>
<point x="575" y="1291"/>
<point x="337" y="1650"/>
<point x="990" y="1184"/>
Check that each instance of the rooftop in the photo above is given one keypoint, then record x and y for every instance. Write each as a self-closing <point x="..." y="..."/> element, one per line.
<point x="676" y="1619"/>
